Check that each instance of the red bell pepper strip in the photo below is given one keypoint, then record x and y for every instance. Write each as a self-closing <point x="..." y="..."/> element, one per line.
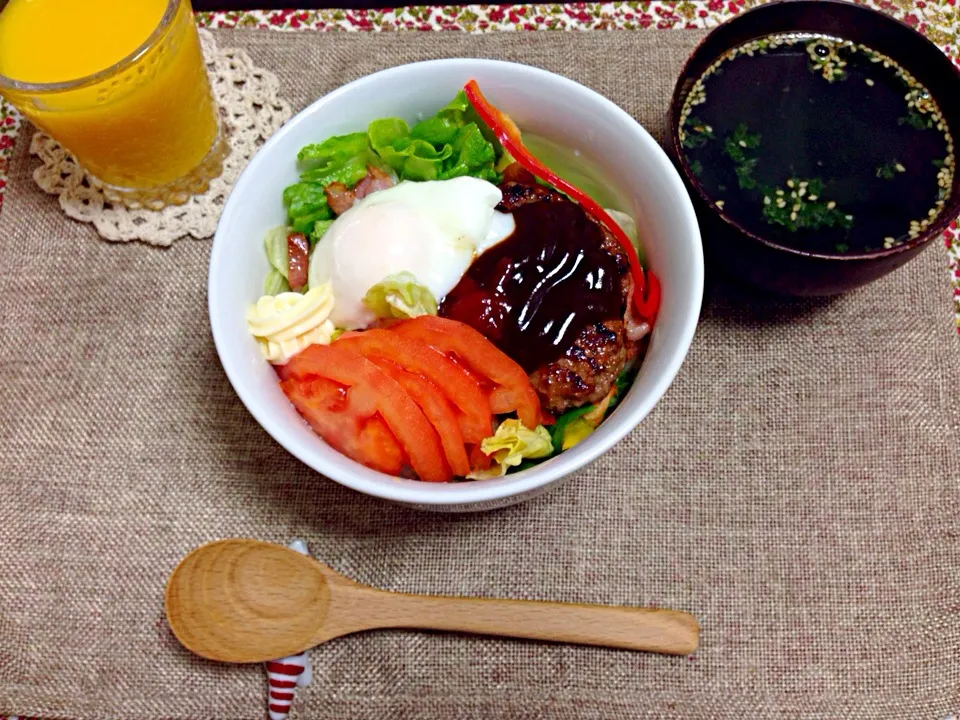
<point x="646" y="294"/>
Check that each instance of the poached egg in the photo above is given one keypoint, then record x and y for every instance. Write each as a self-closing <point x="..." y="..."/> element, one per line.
<point x="433" y="230"/>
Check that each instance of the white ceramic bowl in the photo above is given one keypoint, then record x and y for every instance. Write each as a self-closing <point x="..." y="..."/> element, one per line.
<point x="540" y="102"/>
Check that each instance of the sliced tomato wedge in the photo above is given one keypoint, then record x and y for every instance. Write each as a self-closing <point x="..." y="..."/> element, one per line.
<point x="439" y="411"/>
<point x="513" y="392"/>
<point x="474" y="415"/>
<point x="507" y="132"/>
<point x="479" y="460"/>
<point x="369" y="392"/>
<point x="325" y="405"/>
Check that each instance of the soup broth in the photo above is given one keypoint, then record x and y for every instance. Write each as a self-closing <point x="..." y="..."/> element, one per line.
<point x="818" y="143"/>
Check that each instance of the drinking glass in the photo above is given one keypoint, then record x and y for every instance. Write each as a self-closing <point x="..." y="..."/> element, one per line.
<point x="147" y="128"/>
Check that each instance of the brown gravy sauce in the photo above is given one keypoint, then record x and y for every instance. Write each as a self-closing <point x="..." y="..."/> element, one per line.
<point x="532" y="294"/>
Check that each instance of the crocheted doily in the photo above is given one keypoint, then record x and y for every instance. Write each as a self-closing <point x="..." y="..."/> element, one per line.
<point x="251" y="111"/>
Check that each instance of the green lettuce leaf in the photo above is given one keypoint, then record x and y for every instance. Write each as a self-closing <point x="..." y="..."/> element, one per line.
<point x="450" y="144"/>
<point x="438" y="130"/>
<point x="275" y="245"/>
<point x="460" y="104"/>
<point x="304" y="198"/>
<point x="342" y="158"/>
<point x="275" y="283"/>
<point x="348" y="171"/>
<point x="306" y="203"/>
<point x="410" y="157"/>
<point x="306" y="223"/>
<point x="472" y="155"/>
<point x="383" y="134"/>
<point x="400" y="296"/>
<point x="319" y="228"/>
<point x="416" y="159"/>
<point x="338" y="147"/>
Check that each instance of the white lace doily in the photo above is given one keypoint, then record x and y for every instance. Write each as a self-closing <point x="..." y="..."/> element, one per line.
<point x="251" y="111"/>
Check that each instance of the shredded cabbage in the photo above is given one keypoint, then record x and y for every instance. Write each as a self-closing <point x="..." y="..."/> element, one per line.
<point x="275" y="283"/>
<point x="629" y="227"/>
<point x="275" y="245"/>
<point x="510" y="445"/>
<point x="400" y="296"/>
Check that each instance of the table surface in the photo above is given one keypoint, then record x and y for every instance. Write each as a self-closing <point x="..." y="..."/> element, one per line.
<point x="938" y="20"/>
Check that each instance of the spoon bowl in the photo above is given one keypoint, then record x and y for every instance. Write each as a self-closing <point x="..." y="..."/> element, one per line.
<point x="245" y="601"/>
<point x="224" y="596"/>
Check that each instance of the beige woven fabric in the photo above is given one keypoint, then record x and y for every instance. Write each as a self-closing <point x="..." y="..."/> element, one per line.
<point x="796" y="489"/>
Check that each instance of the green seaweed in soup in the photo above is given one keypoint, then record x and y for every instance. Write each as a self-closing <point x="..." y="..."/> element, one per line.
<point x="818" y="144"/>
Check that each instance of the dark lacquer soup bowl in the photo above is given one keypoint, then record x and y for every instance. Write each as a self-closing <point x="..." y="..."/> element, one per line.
<point x="817" y="139"/>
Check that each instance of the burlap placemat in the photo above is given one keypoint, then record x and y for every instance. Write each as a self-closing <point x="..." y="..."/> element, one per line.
<point x="797" y="488"/>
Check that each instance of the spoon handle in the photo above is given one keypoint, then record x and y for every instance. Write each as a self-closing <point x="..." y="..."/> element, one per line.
<point x="650" y="629"/>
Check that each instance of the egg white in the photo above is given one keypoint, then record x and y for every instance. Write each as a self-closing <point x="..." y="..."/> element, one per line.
<point x="433" y="230"/>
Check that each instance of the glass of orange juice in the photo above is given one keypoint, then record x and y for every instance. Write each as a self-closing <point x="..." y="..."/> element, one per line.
<point x="122" y="85"/>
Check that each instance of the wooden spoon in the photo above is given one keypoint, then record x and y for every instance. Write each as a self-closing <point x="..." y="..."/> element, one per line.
<point x="247" y="601"/>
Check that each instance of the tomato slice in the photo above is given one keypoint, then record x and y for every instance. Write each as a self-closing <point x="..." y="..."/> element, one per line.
<point x="370" y="392"/>
<point x="507" y="132"/>
<point x="475" y="417"/>
<point x="479" y="460"/>
<point x="513" y="391"/>
<point x="324" y="404"/>
<point x="437" y="408"/>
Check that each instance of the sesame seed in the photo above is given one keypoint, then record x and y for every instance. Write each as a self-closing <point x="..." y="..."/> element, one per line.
<point x="813" y="198"/>
<point x="742" y="143"/>
<point x="932" y="213"/>
<point x="766" y="200"/>
<point x="793" y="216"/>
<point x="870" y="82"/>
<point x="831" y="205"/>
<point x="900" y="168"/>
<point x="781" y="203"/>
<point x="849" y="217"/>
<point x="803" y="191"/>
<point x="796" y="208"/>
<point x="780" y="192"/>
<point x="790" y="183"/>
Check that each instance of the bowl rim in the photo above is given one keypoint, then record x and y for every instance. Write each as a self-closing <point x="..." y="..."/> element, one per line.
<point x="944" y="219"/>
<point x="522" y="484"/>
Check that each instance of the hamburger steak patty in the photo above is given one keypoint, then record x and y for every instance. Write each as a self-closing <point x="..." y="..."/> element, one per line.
<point x="560" y="269"/>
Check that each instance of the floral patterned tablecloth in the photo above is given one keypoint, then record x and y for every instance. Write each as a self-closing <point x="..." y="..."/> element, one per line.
<point x="939" y="20"/>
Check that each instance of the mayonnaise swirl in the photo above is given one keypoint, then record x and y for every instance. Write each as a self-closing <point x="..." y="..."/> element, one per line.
<point x="285" y="324"/>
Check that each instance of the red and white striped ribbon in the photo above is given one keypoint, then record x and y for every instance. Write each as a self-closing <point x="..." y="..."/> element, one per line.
<point x="284" y="676"/>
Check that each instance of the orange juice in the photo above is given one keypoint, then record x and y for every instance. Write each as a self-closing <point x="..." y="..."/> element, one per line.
<point x="122" y="84"/>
